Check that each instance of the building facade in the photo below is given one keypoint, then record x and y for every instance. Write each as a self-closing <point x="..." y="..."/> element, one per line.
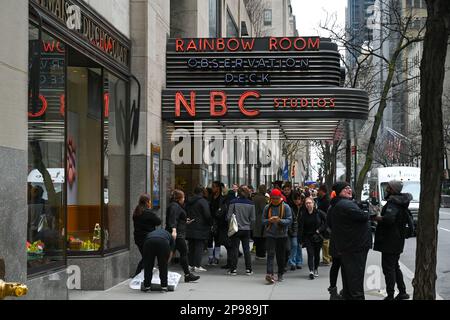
<point x="77" y="136"/>
<point x="82" y="135"/>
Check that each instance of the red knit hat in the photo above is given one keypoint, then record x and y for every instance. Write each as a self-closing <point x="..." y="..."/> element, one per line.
<point x="275" y="193"/>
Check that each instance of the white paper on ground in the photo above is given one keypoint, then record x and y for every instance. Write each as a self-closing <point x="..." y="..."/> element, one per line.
<point x="172" y="279"/>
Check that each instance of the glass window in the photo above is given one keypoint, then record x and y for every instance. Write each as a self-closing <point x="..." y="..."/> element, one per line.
<point x="268" y="17"/>
<point x="114" y="149"/>
<point x="46" y="218"/>
<point x="213" y="19"/>
<point x="232" y="29"/>
<point x="84" y="103"/>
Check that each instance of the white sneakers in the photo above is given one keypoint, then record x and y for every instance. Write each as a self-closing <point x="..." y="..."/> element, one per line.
<point x="199" y="269"/>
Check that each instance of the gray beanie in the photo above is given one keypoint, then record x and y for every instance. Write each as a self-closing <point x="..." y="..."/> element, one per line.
<point x="396" y="186"/>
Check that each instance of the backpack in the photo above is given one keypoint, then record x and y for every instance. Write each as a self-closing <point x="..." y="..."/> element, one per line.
<point x="409" y="226"/>
<point x="407" y="223"/>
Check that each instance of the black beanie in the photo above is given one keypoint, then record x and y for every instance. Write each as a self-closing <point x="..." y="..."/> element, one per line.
<point x="339" y="186"/>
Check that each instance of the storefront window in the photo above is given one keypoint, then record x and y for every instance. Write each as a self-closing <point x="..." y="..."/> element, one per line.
<point x="84" y="103"/>
<point x="46" y="204"/>
<point x="114" y="149"/>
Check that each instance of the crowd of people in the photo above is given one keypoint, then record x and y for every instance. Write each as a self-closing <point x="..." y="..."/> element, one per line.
<point x="281" y="222"/>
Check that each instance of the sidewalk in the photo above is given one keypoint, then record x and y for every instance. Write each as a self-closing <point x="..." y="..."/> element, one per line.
<point x="216" y="285"/>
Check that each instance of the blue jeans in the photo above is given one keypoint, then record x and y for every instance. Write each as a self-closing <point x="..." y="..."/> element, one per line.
<point x="296" y="257"/>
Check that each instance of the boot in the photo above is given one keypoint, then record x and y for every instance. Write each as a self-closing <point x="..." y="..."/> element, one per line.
<point x="334" y="294"/>
<point x="191" y="277"/>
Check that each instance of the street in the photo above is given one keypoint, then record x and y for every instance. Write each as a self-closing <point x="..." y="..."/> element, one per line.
<point x="215" y="285"/>
<point x="443" y="260"/>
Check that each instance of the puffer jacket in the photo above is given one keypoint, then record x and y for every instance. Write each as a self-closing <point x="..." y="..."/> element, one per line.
<point x="390" y="233"/>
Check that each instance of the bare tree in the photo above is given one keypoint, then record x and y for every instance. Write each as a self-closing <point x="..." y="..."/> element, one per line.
<point x="328" y="154"/>
<point x="255" y="9"/>
<point x="291" y="150"/>
<point x="432" y="71"/>
<point x="395" y="34"/>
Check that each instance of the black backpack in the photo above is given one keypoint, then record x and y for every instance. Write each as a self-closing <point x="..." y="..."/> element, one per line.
<point x="407" y="223"/>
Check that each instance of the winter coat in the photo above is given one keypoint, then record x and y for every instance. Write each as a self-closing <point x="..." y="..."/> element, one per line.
<point x="289" y="200"/>
<point x="390" y="233"/>
<point x="260" y="203"/>
<point x="323" y="203"/>
<point x="244" y="210"/>
<point x="280" y="229"/>
<point x="144" y="224"/>
<point x="219" y="210"/>
<point x="350" y="227"/>
<point x="294" y="227"/>
<point x="176" y="218"/>
<point x="198" y="208"/>
<point x="309" y="234"/>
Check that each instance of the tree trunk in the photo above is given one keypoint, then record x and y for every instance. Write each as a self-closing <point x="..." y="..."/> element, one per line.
<point x="376" y="124"/>
<point x="432" y="71"/>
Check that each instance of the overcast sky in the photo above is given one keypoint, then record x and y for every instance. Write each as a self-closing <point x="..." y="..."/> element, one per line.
<point x="309" y="14"/>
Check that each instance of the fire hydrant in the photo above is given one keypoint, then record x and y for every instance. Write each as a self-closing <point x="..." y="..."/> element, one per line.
<point x="10" y="289"/>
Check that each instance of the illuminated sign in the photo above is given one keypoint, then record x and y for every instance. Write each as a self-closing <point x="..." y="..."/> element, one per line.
<point x="257" y="78"/>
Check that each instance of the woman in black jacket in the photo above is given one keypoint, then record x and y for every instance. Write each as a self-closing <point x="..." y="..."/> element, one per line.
<point x="197" y="232"/>
<point x="145" y="221"/>
<point x="176" y="221"/>
<point x="313" y="224"/>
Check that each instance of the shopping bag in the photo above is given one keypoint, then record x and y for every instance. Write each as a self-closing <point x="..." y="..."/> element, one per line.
<point x="233" y="226"/>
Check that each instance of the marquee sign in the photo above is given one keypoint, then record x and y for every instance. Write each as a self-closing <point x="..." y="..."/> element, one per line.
<point x="243" y="79"/>
<point x="270" y="103"/>
<point x="252" y="62"/>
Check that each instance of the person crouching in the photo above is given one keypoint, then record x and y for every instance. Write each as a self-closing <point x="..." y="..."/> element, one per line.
<point x="158" y="244"/>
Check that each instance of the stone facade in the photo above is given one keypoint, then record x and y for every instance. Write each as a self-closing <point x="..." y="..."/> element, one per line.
<point x="13" y="138"/>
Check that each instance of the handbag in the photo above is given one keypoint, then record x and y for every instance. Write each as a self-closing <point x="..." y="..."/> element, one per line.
<point x="233" y="225"/>
<point x="316" y="238"/>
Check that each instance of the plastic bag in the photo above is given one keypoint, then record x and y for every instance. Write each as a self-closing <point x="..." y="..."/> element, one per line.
<point x="173" y="279"/>
<point x="233" y="226"/>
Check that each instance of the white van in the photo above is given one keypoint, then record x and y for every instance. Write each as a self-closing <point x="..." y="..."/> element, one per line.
<point x="410" y="176"/>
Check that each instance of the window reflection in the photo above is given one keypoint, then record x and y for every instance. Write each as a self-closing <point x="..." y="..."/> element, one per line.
<point x="114" y="144"/>
<point x="84" y="103"/>
<point x="45" y="229"/>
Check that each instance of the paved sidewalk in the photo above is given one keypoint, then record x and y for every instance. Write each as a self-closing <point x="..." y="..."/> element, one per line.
<point x="216" y="285"/>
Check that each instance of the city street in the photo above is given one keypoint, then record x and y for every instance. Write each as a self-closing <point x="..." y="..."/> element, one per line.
<point x="216" y="285"/>
<point x="443" y="259"/>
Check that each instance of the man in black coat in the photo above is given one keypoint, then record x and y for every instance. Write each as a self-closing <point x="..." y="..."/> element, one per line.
<point x="390" y="237"/>
<point x="351" y="238"/>
<point x="197" y="232"/>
